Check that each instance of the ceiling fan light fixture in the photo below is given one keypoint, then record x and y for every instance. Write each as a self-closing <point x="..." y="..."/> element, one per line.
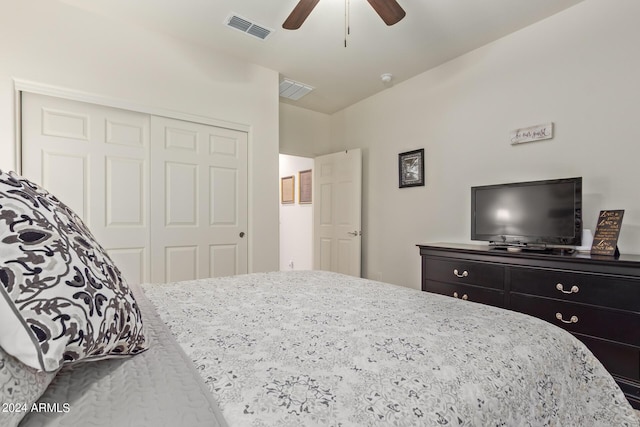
<point x="389" y="10"/>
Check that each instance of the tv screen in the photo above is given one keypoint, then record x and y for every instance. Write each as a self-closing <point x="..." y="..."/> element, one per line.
<point x="528" y="213"/>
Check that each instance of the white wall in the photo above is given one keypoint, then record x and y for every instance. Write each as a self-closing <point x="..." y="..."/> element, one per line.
<point x="303" y="132"/>
<point x="296" y="220"/>
<point x="51" y="43"/>
<point x="579" y="69"/>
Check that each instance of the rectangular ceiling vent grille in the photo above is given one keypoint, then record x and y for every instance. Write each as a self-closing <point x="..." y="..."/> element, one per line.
<point x="293" y="90"/>
<point x="247" y="26"/>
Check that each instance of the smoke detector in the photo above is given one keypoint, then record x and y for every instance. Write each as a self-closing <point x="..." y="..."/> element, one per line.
<point x="386" y="77"/>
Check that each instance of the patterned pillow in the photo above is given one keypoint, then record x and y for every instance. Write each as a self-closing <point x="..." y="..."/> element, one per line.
<point x="20" y="387"/>
<point x="61" y="297"/>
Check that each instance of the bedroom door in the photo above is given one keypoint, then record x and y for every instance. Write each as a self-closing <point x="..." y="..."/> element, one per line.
<point x="337" y="184"/>
<point x="199" y="202"/>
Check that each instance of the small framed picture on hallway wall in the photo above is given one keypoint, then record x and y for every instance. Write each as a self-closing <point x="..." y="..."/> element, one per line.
<point x="287" y="189"/>
<point x="305" y="186"/>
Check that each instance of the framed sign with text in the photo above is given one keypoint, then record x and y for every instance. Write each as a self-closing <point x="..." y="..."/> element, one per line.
<point x="605" y="238"/>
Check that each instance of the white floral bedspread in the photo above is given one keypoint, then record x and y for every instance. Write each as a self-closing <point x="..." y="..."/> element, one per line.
<point x="318" y="348"/>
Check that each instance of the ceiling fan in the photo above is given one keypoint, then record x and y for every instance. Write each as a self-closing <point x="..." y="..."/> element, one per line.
<point x="389" y="10"/>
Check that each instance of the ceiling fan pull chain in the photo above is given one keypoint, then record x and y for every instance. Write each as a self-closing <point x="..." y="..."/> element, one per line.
<point x="347" y="28"/>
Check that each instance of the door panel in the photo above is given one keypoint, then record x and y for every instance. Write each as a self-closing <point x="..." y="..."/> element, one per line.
<point x="132" y="263"/>
<point x="70" y="187"/>
<point x="199" y="182"/>
<point x="94" y="159"/>
<point x="125" y="192"/>
<point x="223" y="260"/>
<point x="181" y="194"/>
<point x="222" y="211"/>
<point x="65" y="123"/>
<point x="181" y="263"/>
<point x="337" y="222"/>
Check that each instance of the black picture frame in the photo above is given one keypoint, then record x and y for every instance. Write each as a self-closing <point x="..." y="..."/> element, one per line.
<point x="411" y="168"/>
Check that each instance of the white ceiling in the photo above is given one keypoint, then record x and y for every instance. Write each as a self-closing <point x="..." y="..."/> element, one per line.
<point x="433" y="32"/>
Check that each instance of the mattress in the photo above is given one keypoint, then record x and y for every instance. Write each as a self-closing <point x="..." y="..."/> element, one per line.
<point x="159" y="387"/>
<point x="319" y="348"/>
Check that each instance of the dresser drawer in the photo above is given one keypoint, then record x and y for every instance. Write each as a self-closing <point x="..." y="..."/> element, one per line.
<point x="599" y="322"/>
<point x="619" y="359"/>
<point x="631" y="391"/>
<point x="585" y="288"/>
<point x="462" y="271"/>
<point x="466" y="292"/>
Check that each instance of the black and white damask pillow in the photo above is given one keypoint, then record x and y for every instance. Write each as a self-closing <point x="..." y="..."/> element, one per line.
<point x="61" y="297"/>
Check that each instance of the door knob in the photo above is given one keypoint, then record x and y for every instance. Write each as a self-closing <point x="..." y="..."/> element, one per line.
<point x="241" y="234"/>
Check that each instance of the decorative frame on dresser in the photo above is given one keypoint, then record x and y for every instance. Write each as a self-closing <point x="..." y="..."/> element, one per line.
<point x="595" y="298"/>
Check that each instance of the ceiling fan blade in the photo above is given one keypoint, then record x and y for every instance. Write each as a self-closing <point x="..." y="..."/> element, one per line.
<point x="299" y="13"/>
<point x="389" y="10"/>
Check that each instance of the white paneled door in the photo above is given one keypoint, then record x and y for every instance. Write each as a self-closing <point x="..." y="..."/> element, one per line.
<point x="337" y="186"/>
<point x="95" y="160"/>
<point x="166" y="198"/>
<point x="199" y="203"/>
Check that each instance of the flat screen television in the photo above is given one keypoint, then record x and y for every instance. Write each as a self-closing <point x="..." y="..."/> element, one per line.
<point x="535" y="214"/>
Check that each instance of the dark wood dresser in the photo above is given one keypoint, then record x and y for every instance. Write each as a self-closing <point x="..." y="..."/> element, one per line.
<point x="595" y="298"/>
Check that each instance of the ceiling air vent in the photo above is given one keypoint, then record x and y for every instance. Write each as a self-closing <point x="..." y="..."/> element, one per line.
<point x="293" y="90"/>
<point x="247" y="26"/>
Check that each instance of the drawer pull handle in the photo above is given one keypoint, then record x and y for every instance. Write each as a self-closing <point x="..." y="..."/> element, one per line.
<point x="464" y="273"/>
<point x="574" y="289"/>
<point x="574" y="319"/>
<point x="464" y="296"/>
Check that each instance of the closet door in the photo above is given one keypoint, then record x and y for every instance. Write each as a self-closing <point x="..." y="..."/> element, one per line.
<point x="94" y="159"/>
<point x="199" y="200"/>
<point x="166" y="198"/>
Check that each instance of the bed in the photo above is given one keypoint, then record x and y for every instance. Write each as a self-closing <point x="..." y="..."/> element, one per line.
<point x="79" y="346"/>
<point x="319" y="348"/>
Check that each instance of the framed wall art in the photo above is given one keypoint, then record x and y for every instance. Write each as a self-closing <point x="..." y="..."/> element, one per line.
<point x="305" y="186"/>
<point x="605" y="239"/>
<point x="411" y="168"/>
<point x="287" y="189"/>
